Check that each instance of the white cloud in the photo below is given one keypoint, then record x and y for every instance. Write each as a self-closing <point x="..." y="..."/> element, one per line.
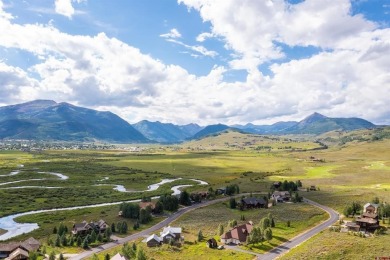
<point x="65" y="7"/>
<point x="203" y="36"/>
<point x="350" y="78"/>
<point x="251" y="28"/>
<point x="173" y="33"/>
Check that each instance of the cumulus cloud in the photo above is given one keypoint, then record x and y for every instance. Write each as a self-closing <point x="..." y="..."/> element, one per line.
<point x="350" y="77"/>
<point x="65" y="7"/>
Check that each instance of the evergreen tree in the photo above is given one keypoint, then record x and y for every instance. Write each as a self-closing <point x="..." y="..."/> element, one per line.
<point x="79" y="241"/>
<point x="52" y="256"/>
<point x="185" y="198"/>
<point x="232" y="203"/>
<point x="158" y="208"/>
<point x="93" y="237"/>
<point x="85" y="243"/>
<point x="55" y="230"/>
<point x="64" y="240"/>
<point x="33" y="255"/>
<point x="57" y="242"/>
<point x="124" y="228"/>
<point x="99" y="237"/>
<point x="220" y="229"/>
<point x="107" y="257"/>
<point x="268" y="234"/>
<point x="113" y="227"/>
<point x="140" y="254"/>
<point x="134" y="247"/>
<point x="200" y="236"/>
<point x="61" y="257"/>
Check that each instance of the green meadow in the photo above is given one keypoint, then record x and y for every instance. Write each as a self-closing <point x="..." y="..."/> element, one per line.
<point x="357" y="170"/>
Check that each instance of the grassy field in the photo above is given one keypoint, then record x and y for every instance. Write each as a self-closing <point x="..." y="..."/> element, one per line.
<point x="207" y="219"/>
<point x="331" y="245"/>
<point x="349" y="171"/>
<point x="302" y="216"/>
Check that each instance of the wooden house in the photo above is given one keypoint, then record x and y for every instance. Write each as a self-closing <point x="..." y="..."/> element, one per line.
<point x="250" y="203"/>
<point x="368" y="221"/>
<point x="237" y="235"/>
<point x="281" y="196"/>
<point x="19" y="250"/>
<point x="153" y="241"/>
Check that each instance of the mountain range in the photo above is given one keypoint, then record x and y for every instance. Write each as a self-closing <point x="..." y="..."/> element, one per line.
<point x="48" y="120"/>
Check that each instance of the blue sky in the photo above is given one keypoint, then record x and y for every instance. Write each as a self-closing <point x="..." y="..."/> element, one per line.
<point x="200" y="61"/>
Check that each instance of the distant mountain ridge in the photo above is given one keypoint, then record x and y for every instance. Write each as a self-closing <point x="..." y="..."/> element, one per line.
<point x="313" y="124"/>
<point x="166" y="132"/>
<point x="48" y="120"/>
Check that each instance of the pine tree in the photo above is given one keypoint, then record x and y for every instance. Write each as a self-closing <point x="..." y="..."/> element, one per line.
<point x="113" y="228"/>
<point x="93" y="237"/>
<point x="57" y="243"/>
<point x="200" y="236"/>
<point x="85" y="243"/>
<point x="52" y="256"/>
<point x="79" y="241"/>
<point x="220" y="229"/>
<point x="140" y="254"/>
<point x="107" y="257"/>
<point x="61" y="257"/>
<point x="268" y="234"/>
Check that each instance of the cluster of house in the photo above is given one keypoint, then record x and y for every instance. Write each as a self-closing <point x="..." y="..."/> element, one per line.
<point x="368" y="221"/>
<point x="167" y="235"/>
<point x="281" y="196"/>
<point x="19" y="250"/>
<point x="85" y="228"/>
<point x="238" y="234"/>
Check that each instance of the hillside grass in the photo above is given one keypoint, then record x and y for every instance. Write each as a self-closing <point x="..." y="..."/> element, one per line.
<point x="333" y="246"/>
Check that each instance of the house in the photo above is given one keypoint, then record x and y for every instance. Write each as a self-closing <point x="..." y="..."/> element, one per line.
<point x="211" y="243"/>
<point x="144" y="205"/>
<point x="169" y="233"/>
<point x="250" y="203"/>
<point x="153" y="241"/>
<point x="118" y="257"/>
<point x="237" y="235"/>
<point x="84" y="227"/>
<point x="368" y="221"/>
<point x="277" y="184"/>
<point x="19" y="250"/>
<point x="281" y="196"/>
<point x="220" y="191"/>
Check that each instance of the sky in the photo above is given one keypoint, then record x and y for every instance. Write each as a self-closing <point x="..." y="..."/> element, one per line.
<point x="200" y="61"/>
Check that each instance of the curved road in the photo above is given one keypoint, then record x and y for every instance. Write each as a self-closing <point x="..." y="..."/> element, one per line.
<point x="285" y="247"/>
<point x="274" y="253"/>
<point x="152" y="229"/>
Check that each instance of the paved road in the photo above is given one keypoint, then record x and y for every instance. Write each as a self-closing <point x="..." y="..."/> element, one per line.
<point x="150" y="230"/>
<point x="274" y="253"/>
<point x="285" y="247"/>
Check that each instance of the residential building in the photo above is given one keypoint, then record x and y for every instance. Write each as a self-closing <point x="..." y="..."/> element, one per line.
<point x="238" y="234"/>
<point x="19" y="250"/>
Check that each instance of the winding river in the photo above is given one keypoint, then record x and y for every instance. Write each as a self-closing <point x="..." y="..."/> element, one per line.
<point x="14" y="229"/>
